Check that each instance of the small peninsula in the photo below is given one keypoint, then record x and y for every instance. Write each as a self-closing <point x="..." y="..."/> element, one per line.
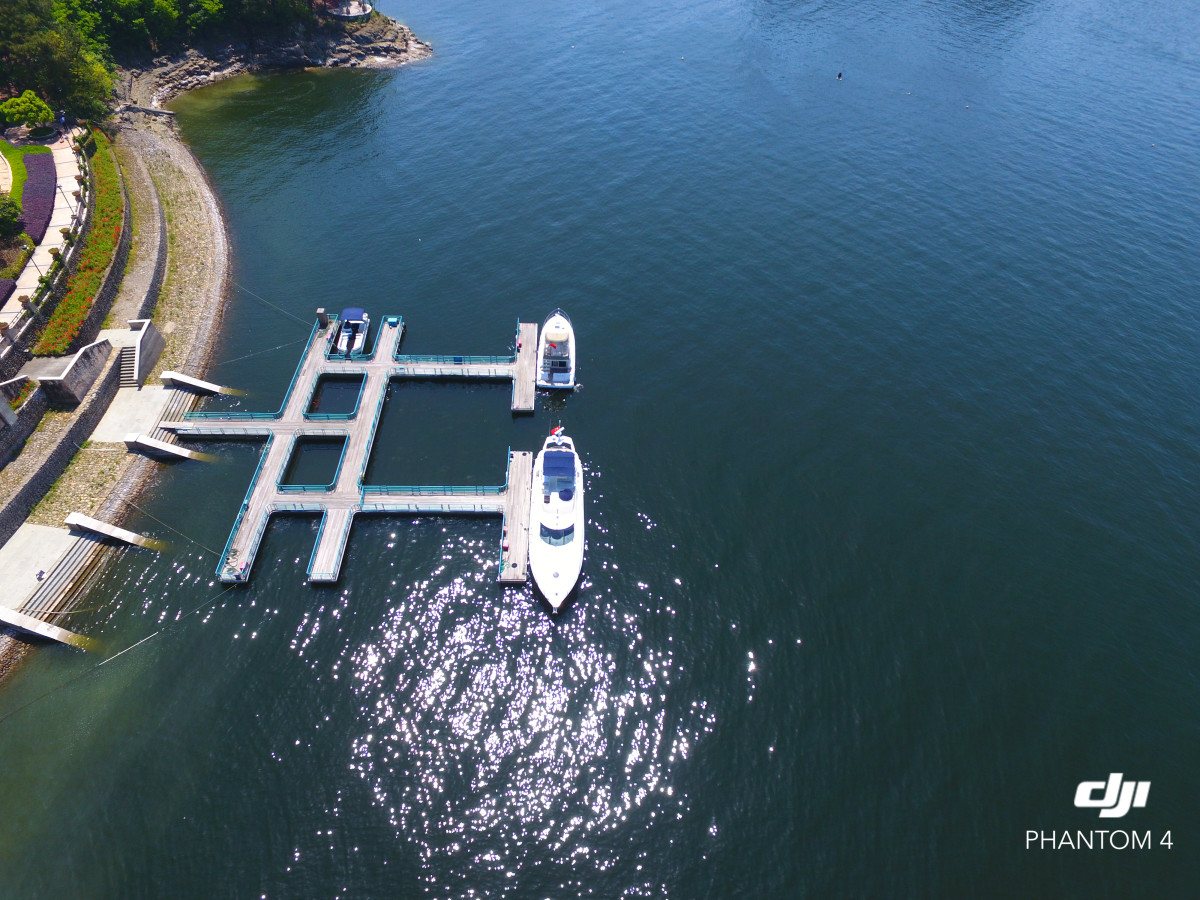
<point x="376" y="43"/>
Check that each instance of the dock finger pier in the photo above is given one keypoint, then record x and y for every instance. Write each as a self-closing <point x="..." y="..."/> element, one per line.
<point x="346" y="497"/>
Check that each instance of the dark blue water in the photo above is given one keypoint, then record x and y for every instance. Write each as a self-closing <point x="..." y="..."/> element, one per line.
<point x="889" y="418"/>
<point x="336" y="396"/>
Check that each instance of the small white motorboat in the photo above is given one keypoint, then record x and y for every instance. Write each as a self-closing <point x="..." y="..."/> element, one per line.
<point x="556" y="519"/>
<point x="352" y="331"/>
<point x="556" y="353"/>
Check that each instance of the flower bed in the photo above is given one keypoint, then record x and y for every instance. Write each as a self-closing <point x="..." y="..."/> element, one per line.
<point x="94" y="257"/>
<point x="16" y="162"/>
<point x="17" y="263"/>
<point x="37" y="197"/>
<point x="6" y="288"/>
<point x="23" y="394"/>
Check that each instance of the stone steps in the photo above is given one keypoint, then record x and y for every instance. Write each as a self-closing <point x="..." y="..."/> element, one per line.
<point x="128" y="367"/>
<point x="70" y="574"/>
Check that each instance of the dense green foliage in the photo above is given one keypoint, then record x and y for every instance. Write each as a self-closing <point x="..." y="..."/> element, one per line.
<point x="136" y="26"/>
<point x="94" y="258"/>
<point x="27" y="109"/>
<point x="42" y="50"/>
<point x="10" y="215"/>
<point x="64" y="49"/>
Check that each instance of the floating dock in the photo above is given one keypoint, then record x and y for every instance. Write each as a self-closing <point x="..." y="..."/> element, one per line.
<point x="520" y="367"/>
<point x="338" y="503"/>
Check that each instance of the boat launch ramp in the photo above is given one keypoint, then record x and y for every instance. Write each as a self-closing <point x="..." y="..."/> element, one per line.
<point x="346" y="497"/>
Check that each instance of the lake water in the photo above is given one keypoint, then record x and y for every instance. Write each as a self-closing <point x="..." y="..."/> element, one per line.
<point x="889" y="420"/>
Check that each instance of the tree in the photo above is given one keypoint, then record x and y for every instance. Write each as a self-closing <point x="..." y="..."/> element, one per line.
<point x="63" y="50"/>
<point x="10" y="213"/>
<point x="74" y="78"/>
<point x="28" y="109"/>
<point x="58" y="51"/>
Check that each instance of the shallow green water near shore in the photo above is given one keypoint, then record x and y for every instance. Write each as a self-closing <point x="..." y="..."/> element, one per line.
<point x="889" y="420"/>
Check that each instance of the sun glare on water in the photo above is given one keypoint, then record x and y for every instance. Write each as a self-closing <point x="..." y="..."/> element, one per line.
<point x="499" y="741"/>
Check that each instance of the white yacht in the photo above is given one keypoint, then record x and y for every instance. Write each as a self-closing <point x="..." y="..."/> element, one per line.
<point x="352" y="331"/>
<point x="556" y="353"/>
<point x="556" y="519"/>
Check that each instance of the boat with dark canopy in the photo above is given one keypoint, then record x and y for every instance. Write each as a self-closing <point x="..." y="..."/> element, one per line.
<point x="353" y="325"/>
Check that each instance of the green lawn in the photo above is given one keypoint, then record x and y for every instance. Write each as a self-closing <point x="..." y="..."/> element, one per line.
<point x="15" y="162"/>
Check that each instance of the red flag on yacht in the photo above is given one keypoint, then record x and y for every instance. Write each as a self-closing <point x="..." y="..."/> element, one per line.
<point x="557" y="431"/>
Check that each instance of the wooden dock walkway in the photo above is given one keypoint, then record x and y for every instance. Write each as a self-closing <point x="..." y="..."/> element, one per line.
<point x="525" y="377"/>
<point x="340" y="502"/>
<point x="520" y="367"/>
<point x="514" y="562"/>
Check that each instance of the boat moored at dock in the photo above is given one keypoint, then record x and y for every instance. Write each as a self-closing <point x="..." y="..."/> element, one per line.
<point x="556" y="519"/>
<point x="347" y="496"/>
<point x="556" y="353"/>
<point x="353" y="325"/>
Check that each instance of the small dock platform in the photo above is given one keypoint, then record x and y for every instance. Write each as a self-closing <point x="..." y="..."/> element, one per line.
<point x="514" y="561"/>
<point x="339" y="503"/>
<point x="178" y="379"/>
<point x="80" y="522"/>
<point x="37" y="628"/>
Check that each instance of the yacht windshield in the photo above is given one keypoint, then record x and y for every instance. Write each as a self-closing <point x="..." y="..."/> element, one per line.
<point x="557" y="537"/>
<point x="558" y="468"/>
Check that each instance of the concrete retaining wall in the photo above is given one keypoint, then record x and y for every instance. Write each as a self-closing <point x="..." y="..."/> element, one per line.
<point x="70" y="388"/>
<point x="150" y="346"/>
<point x="160" y="259"/>
<point x="13" y="437"/>
<point x="40" y="481"/>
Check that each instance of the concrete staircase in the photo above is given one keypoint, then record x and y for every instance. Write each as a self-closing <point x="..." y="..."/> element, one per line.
<point x="181" y="403"/>
<point x="70" y="575"/>
<point x="128" y="362"/>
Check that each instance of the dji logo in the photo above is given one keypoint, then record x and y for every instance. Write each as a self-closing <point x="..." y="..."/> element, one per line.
<point x="1117" y="797"/>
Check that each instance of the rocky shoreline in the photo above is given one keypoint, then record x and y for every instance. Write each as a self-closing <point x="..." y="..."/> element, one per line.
<point x="377" y="43"/>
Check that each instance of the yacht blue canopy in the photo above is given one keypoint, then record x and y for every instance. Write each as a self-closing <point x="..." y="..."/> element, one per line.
<point x="353" y="314"/>
<point x="558" y="462"/>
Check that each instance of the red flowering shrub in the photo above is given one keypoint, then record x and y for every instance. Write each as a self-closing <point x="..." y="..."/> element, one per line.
<point x="22" y="394"/>
<point x="94" y="256"/>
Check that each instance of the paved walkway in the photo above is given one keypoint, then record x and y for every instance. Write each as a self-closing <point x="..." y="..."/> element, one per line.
<point x="5" y="175"/>
<point x="132" y="411"/>
<point x="66" y="166"/>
